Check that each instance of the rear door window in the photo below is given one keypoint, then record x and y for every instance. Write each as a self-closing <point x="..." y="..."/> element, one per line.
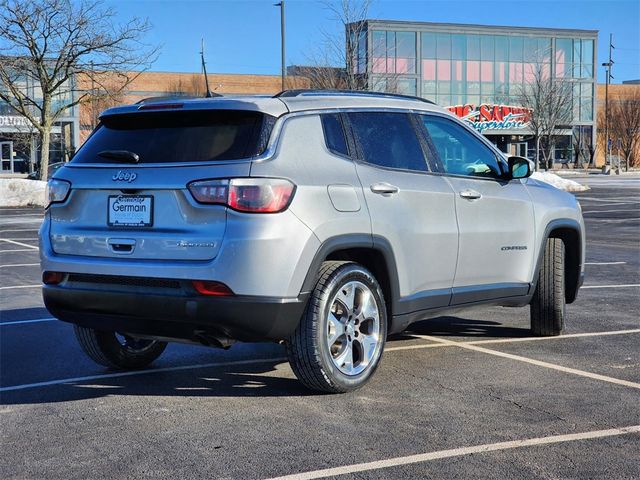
<point x="388" y="140"/>
<point x="334" y="134"/>
<point x="185" y="136"/>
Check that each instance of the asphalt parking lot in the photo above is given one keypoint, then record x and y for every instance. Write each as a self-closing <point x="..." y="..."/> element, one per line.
<point x="469" y="396"/>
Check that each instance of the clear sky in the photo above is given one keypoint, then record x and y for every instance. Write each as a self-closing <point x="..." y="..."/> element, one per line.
<point x="243" y="36"/>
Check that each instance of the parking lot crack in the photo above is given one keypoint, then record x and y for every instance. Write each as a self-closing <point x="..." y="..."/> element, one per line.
<point x="526" y="407"/>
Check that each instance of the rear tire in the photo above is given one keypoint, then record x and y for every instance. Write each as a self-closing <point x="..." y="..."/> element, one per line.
<point x="121" y="352"/>
<point x="339" y="341"/>
<point x="548" y="303"/>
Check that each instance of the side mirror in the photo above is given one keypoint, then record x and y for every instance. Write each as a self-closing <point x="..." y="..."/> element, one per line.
<point x="519" y="167"/>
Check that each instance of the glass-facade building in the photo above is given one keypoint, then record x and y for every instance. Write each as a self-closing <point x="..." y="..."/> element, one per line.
<point x="19" y="141"/>
<point x="466" y="67"/>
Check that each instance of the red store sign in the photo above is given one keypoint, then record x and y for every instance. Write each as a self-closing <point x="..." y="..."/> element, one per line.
<point x="493" y="117"/>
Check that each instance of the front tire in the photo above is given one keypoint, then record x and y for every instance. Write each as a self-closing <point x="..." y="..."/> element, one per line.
<point x="339" y="341"/>
<point x="548" y="303"/>
<point x="120" y="352"/>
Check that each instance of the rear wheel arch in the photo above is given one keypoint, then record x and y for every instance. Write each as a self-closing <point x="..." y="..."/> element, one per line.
<point x="375" y="254"/>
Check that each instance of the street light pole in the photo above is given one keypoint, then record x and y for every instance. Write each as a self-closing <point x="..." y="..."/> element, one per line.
<point x="608" y="66"/>
<point x="282" y="52"/>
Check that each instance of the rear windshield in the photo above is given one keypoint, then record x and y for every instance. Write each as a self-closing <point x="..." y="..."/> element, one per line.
<point x="186" y="136"/>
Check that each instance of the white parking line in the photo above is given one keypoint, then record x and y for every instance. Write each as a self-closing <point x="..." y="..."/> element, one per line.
<point x="139" y="372"/>
<point x="19" y="250"/>
<point x="631" y="285"/>
<point x="20" y="322"/>
<point x="458" y="452"/>
<point x="605" y="263"/>
<point x="20" y="230"/>
<point x="622" y="200"/>
<point x="20" y="286"/>
<point x="20" y="265"/>
<point x="513" y="340"/>
<point x="607" y="211"/>
<point x="552" y="366"/>
<point x="20" y="244"/>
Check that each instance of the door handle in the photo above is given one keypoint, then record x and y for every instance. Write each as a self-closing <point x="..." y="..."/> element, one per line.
<point x="384" y="188"/>
<point x="470" y="194"/>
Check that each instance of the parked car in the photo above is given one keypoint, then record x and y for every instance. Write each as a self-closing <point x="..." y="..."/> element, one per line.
<point x="53" y="168"/>
<point x="322" y="220"/>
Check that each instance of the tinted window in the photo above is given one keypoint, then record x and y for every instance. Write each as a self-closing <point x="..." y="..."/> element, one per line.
<point x="186" y="136"/>
<point x="388" y="140"/>
<point x="334" y="134"/>
<point x="460" y="152"/>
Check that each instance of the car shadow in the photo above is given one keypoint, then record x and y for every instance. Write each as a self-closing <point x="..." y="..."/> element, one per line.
<point x="452" y="326"/>
<point x="244" y="380"/>
<point x="259" y="379"/>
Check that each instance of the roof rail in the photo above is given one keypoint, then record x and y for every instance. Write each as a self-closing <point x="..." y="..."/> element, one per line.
<point x="355" y="93"/>
<point x="174" y="98"/>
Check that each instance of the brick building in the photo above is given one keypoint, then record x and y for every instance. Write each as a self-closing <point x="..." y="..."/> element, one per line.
<point x="617" y="93"/>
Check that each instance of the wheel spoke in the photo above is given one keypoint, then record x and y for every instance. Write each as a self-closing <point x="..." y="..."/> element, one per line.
<point x="368" y="307"/>
<point x="347" y="296"/>
<point x="368" y="344"/>
<point x="336" y="330"/>
<point x="344" y="361"/>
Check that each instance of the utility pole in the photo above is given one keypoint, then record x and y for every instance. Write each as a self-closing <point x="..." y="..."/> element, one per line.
<point x="204" y="69"/>
<point x="608" y="66"/>
<point x="93" y="97"/>
<point x="282" y="52"/>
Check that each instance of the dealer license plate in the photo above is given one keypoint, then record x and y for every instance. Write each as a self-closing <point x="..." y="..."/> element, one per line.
<point x="130" y="211"/>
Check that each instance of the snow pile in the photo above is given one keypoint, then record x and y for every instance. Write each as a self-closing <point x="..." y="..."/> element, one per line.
<point x="559" y="182"/>
<point x="20" y="192"/>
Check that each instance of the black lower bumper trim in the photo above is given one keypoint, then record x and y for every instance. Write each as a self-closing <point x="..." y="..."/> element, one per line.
<point x="186" y="317"/>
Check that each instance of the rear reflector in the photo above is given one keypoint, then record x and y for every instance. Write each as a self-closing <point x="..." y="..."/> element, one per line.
<point x="52" y="278"/>
<point x="216" y="289"/>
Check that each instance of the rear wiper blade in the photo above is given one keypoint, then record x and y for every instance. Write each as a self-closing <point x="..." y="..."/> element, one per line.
<point x="120" y="155"/>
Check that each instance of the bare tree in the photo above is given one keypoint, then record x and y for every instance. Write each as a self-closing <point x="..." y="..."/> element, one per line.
<point x="339" y="62"/>
<point x="624" y="126"/>
<point x="193" y="85"/>
<point x="54" y="45"/>
<point x="551" y="104"/>
<point x="334" y="63"/>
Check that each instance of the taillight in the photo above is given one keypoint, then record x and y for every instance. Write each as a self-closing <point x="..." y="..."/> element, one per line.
<point x="52" y="278"/>
<point x="210" y="191"/>
<point x="254" y="195"/>
<point x="57" y="191"/>
<point x="216" y="289"/>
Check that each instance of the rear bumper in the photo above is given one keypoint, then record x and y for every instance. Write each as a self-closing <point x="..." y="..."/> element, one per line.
<point x="177" y="316"/>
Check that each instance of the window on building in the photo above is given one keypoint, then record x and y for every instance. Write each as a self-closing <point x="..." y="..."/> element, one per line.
<point x="516" y="45"/>
<point x="388" y="140"/>
<point x="394" y="52"/>
<point x="405" y="52"/>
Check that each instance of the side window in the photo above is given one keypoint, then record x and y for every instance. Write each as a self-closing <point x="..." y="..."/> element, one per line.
<point x="388" y="140"/>
<point x="460" y="151"/>
<point x="334" y="134"/>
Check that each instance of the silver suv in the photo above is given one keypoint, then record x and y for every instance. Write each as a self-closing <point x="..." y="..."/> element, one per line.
<point x="322" y="220"/>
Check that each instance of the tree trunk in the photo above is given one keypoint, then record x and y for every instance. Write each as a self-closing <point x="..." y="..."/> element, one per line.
<point x="45" y="133"/>
<point x="537" y="152"/>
